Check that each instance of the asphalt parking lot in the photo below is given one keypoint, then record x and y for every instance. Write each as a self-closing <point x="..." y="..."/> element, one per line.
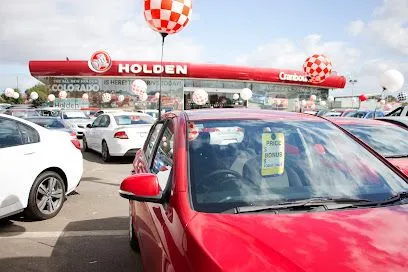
<point x="89" y="234"/>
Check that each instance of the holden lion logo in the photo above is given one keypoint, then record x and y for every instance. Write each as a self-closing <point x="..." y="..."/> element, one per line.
<point x="100" y="62"/>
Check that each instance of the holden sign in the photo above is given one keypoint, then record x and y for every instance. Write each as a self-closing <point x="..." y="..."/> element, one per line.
<point x="168" y="69"/>
<point x="100" y="62"/>
<point x="294" y="77"/>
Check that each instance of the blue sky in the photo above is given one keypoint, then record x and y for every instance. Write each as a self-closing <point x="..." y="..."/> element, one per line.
<point x="362" y="38"/>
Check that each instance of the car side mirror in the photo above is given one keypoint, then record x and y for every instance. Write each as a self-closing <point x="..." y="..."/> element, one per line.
<point x="141" y="187"/>
<point x="89" y="126"/>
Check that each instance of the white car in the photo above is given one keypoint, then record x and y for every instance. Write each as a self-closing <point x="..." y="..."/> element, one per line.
<point x="77" y="120"/>
<point x="117" y="134"/>
<point x="38" y="168"/>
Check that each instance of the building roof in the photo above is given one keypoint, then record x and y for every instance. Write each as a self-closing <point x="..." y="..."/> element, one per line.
<point x="81" y="68"/>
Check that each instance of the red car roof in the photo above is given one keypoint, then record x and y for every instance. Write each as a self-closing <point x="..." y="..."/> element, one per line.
<point x="358" y="121"/>
<point x="244" y="113"/>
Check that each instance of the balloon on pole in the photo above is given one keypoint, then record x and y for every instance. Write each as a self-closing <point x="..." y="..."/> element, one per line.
<point x="246" y="94"/>
<point x="200" y="97"/>
<point x="139" y="87"/>
<point x="63" y="95"/>
<point x="143" y="97"/>
<point x="363" y="98"/>
<point x="313" y="98"/>
<point x="235" y="96"/>
<point x="121" y="98"/>
<point x="402" y="97"/>
<point x="317" y="68"/>
<point x="51" y="97"/>
<point x="303" y="103"/>
<point x="382" y="102"/>
<point x="16" y="95"/>
<point x="85" y="96"/>
<point x="9" y="92"/>
<point x="34" y="95"/>
<point x="157" y="95"/>
<point x="106" y="97"/>
<point x="167" y="16"/>
<point x="392" y="80"/>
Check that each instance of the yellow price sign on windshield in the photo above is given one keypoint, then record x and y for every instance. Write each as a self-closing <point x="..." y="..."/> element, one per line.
<point x="273" y="154"/>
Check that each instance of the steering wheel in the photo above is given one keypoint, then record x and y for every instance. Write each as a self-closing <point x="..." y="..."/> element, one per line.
<point x="222" y="173"/>
<point x="219" y="178"/>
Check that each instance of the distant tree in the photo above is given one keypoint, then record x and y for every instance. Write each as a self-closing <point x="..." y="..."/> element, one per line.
<point x="11" y="100"/>
<point x="43" y="92"/>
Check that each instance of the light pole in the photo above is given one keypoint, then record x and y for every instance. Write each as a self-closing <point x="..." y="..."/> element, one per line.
<point x="352" y="82"/>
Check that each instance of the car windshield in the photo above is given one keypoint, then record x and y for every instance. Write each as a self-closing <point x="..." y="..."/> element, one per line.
<point x="395" y="143"/>
<point x="348" y="113"/>
<point x="51" y="123"/>
<point x="241" y="163"/>
<point x="123" y="120"/>
<point x="75" y="115"/>
<point x="25" y="114"/>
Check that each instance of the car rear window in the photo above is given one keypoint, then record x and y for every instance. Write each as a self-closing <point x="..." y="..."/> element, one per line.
<point x="250" y="162"/>
<point x="124" y="120"/>
<point x="52" y="123"/>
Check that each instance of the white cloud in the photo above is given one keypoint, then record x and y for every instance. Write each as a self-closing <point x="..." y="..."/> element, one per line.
<point x="55" y="29"/>
<point x="390" y="25"/>
<point x="284" y="53"/>
<point x="355" y="27"/>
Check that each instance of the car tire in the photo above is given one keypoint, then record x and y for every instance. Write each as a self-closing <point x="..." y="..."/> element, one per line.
<point x="47" y="196"/>
<point x="106" y="157"/>
<point x="85" y="147"/>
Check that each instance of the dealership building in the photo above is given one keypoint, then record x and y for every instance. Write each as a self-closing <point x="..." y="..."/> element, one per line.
<point x="272" y="88"/>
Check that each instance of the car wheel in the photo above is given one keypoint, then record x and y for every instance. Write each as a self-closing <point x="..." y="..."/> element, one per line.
<point x="46" y="197"/>
<point x="106" y="157"/>
<point x="85" y="147"/>
<point x="134" y="244"/>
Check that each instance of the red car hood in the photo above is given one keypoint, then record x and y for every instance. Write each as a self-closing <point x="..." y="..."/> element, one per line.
<point x="401" y="163"/>
<point x="371" y="239"/>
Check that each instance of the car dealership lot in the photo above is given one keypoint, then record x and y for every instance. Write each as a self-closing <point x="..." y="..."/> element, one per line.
<point x="89" y="234"/>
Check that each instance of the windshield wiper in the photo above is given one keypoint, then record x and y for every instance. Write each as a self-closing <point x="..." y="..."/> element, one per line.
<point x="396" y="156"/>
<point x="306" y="204"/>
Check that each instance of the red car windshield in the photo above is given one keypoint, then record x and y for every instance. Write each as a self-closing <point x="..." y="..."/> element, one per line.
<point x="389" y="141"/>
<point x="239" y="163"/>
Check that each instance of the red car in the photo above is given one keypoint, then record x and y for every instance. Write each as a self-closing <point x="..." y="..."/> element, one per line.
<point x="390" y="140"/>
<point x="253" y="190"/>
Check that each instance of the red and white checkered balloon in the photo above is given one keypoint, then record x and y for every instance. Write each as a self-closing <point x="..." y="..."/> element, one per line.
<point x="139" y="87"/>
<point x="318" y="68"/>
<point x="200" y="97"/>
<point x="167" y="16"/>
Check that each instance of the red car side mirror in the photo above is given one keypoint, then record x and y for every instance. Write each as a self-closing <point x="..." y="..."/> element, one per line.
<point x="141" y="187"/>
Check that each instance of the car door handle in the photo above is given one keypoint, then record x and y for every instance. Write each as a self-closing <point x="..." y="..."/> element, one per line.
<point x="29" y="153"/>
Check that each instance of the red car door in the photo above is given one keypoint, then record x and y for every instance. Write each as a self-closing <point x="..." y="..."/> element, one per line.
<point x="158" y="227"/>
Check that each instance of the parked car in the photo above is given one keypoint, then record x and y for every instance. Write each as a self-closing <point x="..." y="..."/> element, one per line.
<point x="49" y="111"/>
<point x="399" y="115"/>
<point x="345" y="112"/>
<point x="52" y="123"/>
<point x="399" y="112"/>
<point x="117" y="134"/>
<point x="3" y="107"/>
<point x="390" y="140"/>
<point x="403" y="122"/>
<point x="90" y="112"/>
<point x="22" y="112"/>
<point x="332" y="114"/>
<point x="365" y="114"/>
<point x="77" y="120"/>
<point x="39" y="168"/>
<point x="295" y="194"/>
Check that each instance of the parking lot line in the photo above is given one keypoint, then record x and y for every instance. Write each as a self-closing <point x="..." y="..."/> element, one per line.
<point x="60" y="234"/>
